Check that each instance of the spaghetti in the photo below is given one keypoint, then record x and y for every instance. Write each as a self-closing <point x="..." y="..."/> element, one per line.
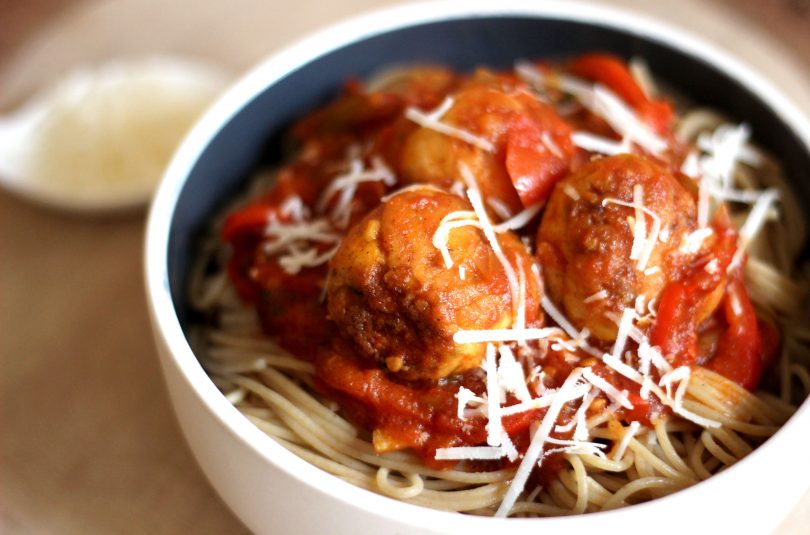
<point x="523" y="293"/>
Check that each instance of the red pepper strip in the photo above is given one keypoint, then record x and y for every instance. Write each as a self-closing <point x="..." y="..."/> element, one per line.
<point x="658" y="114"/>
<point x="739" y="354"/>
<point x="250" y="220"/>
<point x="675" y="328"/>
<point x="613" y="73"/>
<point x="243" y="229"/>
<point x="686" y="302"/>
<point x="643" y="409"/>
<point x="532" y="169"/>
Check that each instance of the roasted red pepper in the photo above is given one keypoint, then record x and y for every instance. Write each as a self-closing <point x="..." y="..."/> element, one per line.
<point x="686" y="302"/>
<point x="739" y="355"/>
<point x="614" y="74"/>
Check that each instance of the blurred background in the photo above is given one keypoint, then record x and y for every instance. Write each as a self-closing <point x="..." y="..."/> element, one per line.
<point x="88" y="443"/>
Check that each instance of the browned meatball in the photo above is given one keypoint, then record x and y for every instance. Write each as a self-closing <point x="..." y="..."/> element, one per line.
<point x="586" y="238"/>
<point x="519" y="169"/>
<point x="390" y="292"/>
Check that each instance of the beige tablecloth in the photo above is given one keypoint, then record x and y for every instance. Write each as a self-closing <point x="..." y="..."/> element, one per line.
<point x="88" y="443"/>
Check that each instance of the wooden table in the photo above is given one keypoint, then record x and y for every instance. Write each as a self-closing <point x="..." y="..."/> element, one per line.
<point x="88" y="443"/>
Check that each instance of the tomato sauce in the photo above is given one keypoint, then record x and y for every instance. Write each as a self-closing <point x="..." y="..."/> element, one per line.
<point x="704" y="315"/>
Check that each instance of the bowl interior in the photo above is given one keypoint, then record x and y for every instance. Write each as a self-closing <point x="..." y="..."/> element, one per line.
<point x="252" y="135"/>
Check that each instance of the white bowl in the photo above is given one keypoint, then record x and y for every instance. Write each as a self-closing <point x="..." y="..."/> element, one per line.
<point x="274" y="491"/>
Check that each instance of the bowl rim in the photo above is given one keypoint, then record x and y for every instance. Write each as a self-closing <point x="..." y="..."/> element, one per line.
<point x="358" y="28"/>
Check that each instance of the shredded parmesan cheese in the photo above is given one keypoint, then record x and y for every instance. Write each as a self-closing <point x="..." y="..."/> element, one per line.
<point x="511" y="377"/>
<point x="624" y="121"/>
<point x="641" y="74"/>
<point x="494" y="425"/>
<point x="546" y="399"/>
<point x="558" y="318"/>
<point x="432" y="120"/>
<point x="693" y="241"/>
<point x="625" y="324"/>
<point x="640" y="223"/>
<point x="638" y="306"/>
<point x="622" y="368"/>
<point x="736" y="307"/>
<point x="571" y="191"/>
<point x="602" y="145"/>
<point x="616" y="395"/>
<point x="629" y="433"/>
<point x="460" y="453"/>
<point x="598" y="296"/>
<point x="294" y="209"/>
<point x="296" y="258"/>
<point x="575" y="447"/>
<point x="489" y="232"/>
<point x="648" y="242"/>
<point x="508" y="448"/>
<point x="691" y="165"/>
<point x="581" y="430"/>
<point x="539" y="81"/>
<point x="753" y="224"/>
<point x="723" y="148"/>
<point x="603" y="103"/>
<point x="346" y="186"/>
<point x="519" y="220"/>
<point x="449" y="222"/>
<point x="412" y="187"/>
<point x="504" y="335"/>
<point x="548" y="143"/>
<point x="498" y="206"/>
<point x="534" y="453"/>
<point x="466" y="397"/>
<point x="457" y="188"/>
<point x="580" y="338"/>
<point x="293" y="241"/>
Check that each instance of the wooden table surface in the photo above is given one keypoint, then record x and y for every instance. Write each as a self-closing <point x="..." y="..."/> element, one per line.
<point x="88" y="441"/>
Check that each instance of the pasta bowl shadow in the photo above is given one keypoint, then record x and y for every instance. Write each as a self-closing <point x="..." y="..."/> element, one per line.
<point x="274" y="491"/>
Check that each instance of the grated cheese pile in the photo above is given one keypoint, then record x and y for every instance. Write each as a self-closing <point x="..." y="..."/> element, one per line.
<point x="345" y="186"/>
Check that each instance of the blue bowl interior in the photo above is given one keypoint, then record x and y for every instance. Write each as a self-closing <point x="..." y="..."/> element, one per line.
<point x="253" y="136"/>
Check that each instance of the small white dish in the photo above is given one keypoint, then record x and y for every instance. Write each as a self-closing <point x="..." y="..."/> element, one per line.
<point x="100" y="139"/>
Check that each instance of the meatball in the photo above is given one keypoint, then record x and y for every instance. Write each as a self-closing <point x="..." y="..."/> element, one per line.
<point x="586" y="236"/>
<point x="530" y="146"/>
<point x="390" y="292"/>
